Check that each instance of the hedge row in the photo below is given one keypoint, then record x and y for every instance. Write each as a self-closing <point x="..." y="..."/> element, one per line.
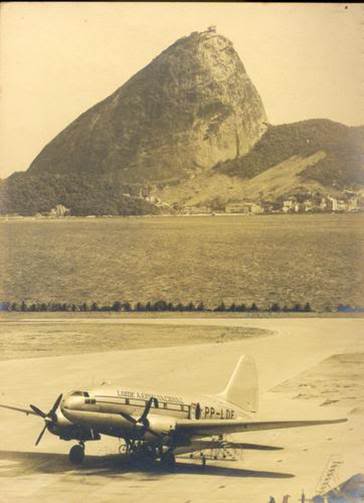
<point x="158" y="306"/>
<point x="163" y="306"/>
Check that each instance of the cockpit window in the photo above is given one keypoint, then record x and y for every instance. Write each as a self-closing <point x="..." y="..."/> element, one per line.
<point x="80" y="393"/>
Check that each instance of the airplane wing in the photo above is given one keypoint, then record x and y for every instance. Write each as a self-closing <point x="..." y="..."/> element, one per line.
<point x="18" y="409"/>
<point x="219" y="427"/>
<point x="198" y="445"/>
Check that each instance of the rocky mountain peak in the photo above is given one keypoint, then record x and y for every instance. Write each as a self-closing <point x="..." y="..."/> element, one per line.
<point x="190" y="108"/>
<point x="193" y="105"/>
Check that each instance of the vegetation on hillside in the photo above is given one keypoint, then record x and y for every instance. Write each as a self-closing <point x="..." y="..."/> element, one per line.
<point x="344" y="147"/>
<point x="28" y="194"/>
<point x="107" y="193"/>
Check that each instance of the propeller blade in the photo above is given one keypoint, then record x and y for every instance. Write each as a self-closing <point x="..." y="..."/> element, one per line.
<point x="41" y="434"/>
<point x="143" y="417"/>
<point x="129" y="418"/>
<point x="142" y="421"/>
<point x="52" y="412"/>
<point x="38" y="411"/>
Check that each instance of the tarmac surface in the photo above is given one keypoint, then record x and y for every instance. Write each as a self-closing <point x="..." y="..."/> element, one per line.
<point x="312" y="457"/>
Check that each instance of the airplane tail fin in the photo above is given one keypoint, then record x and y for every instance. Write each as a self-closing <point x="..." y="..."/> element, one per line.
<point x="242" y="388"/>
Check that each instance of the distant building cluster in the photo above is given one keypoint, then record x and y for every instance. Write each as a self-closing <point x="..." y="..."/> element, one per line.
<point x="350" y="203"/>
<point x="244" y="207"/>
<point x="195" y="210"/>
<point x="144" y="193"/>
<point x="315" y="202"/>
<point x="309" y="203"/>
<point x="58" y="211"/>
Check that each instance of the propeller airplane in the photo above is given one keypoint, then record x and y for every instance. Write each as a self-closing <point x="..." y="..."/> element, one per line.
<point x="161" y="425"/>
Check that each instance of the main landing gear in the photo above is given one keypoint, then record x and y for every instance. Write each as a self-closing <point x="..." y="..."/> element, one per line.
<point x="168" y="460"/>
<point x="140" y="453"/>
<point x="77" y="454"/>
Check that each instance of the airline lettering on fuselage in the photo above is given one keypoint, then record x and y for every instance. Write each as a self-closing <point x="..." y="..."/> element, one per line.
<point x="206" y="412"/>
<point x="146" y="396"/>
<point x="212" y="413"/>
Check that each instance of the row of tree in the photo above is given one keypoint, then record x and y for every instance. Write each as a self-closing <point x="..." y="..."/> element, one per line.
<point x="346" y="308"/>
<point x="158" y="306"/>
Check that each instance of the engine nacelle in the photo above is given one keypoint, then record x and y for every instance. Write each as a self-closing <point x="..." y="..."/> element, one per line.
<point x="62" y="421"/>
<point x="61" y="427"/>
<point x="163" y="425"/>
<point x="66" y="430"/>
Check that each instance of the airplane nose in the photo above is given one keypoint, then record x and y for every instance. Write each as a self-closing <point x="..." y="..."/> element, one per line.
<point x="70" y="402"/>
<point x="75" y="400"/>
<point x="65" y="404"/>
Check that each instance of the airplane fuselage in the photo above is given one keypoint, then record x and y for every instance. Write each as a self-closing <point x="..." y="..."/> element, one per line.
<point x="103" y="408"/>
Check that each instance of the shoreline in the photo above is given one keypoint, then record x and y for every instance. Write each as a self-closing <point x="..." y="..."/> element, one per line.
<point x="73" y="218"/>
<point x="29" y="317"/>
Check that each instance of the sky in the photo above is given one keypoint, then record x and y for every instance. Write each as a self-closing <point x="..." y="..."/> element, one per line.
<point x="58" y="59"/>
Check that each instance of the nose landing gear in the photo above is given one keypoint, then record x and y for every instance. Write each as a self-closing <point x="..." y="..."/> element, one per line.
<point x="77" y="454"/>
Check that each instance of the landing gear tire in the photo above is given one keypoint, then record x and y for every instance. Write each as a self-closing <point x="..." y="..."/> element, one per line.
<point x="168" y="461"/>
<point x="77" y="454"/>
<point x="150" y="452"/>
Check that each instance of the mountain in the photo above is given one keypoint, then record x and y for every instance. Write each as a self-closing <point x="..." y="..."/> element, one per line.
<point x="192" y="107"/>
<point x="342" y="146"/>
<point x="188" y="130"/>
<point x="313" y="156"/>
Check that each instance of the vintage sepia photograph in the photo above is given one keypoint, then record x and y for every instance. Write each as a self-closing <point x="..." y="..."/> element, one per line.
<point x="182" y="252"/>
